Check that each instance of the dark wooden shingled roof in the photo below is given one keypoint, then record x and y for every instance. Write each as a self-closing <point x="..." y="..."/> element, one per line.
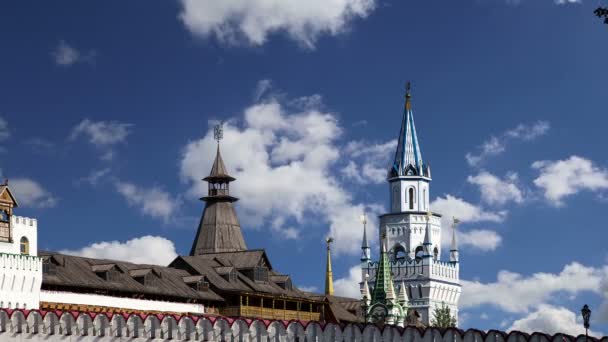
<point x="80" y="272"/>
<point x="218" y="170"/>
<point x="341" y="307"/>
<point x="209" y="265"/>
<point x="219" y="230"/>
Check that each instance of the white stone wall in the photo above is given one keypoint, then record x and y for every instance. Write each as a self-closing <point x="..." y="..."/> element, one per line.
<point x="20" y="281"/>
<point x="119" y="302"/>
<point x="22" y="227"/>
<point x="83" y="327"/>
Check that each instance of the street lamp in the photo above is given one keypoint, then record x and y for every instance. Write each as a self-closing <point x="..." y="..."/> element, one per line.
<point x="586" y="312"/>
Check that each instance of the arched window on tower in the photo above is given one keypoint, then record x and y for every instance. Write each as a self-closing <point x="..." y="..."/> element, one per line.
<point x="400" y="253"/>
<point x="25" y="246"/>
<point x="419" y="253"/>
<point x="436" y="254"/>
<point x="411" y="198"/>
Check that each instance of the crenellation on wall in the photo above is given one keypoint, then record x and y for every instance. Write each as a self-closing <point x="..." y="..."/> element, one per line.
<point x="25" y="221"/>
<point x="60" y="326"/>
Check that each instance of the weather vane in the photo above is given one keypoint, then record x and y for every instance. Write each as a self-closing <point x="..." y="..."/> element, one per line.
<point x="218" y="131"/>
<point x="329" y="240"/>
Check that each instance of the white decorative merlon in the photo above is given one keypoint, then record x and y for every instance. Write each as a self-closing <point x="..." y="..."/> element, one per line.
<point x="90" y="327"/>
<point x="25" y="221"/>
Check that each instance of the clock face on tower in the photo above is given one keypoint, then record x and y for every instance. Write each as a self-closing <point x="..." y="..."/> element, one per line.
<point x="378" y="314"/>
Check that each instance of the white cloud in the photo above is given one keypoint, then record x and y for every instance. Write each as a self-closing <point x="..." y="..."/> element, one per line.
<point x="236" y="21"/>
<point x="551" y="319"/>
<point x="4" y="131"/>
<point x="565" y="2"/>
<point x="496" y="191"/>
<point x="562" y="178"/>
<point x="312" y="289"/>
<point x="367" y="162"/>
<point x="528" y="132"/>
<point x="104" y="135"/>
<point x="95" y="176"/>
<point x="147" y="249"/>
<point x="30" y="193"/>
<point x="66" y="55"/>
<point x="530" y="291"/>
<point x="284" y="160"/>
<point x="482" y="239"/>
<point x="349" y="285"/>
<point x="152" y="201"/>
<point x="450" y="206"/>
<point x="498" y="144"/>
<point x="262" y="87"/>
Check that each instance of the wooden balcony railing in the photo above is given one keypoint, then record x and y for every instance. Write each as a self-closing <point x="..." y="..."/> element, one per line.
<point x="268" y="313"/>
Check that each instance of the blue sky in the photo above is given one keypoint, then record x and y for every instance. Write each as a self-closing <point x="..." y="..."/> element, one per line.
<point x="107" y="111"/>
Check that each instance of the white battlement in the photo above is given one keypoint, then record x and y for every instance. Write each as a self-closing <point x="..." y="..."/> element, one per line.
<point x="24" y="221"/>
<point x="405" y="269"/>
<point x="445" y="270"/>
<point x="20" y="262"/>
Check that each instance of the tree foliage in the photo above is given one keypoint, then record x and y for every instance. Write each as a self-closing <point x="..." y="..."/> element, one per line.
<point x="442" y="317"/>
<point x="602" y="12"/>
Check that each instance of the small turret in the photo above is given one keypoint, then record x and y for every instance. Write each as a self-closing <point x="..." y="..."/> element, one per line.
<point x="402" y="297"/>
<point x="366" y="296"/>
<point x="426" y="246"/>
<point x="454" y="248"/>
<point x="366" y="251"/>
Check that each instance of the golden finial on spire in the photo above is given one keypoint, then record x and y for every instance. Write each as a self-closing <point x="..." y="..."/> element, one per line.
<point x="329" y="278"/>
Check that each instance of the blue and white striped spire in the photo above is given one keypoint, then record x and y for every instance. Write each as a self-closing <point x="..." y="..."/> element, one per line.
<point x="408" y="156"/>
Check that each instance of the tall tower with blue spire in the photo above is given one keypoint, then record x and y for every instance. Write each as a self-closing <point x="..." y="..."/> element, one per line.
<point x="409" y="176"/>
<point x="411" y="234"/>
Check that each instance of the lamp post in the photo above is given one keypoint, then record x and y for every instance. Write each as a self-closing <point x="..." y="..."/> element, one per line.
<point x="586" y="312"/>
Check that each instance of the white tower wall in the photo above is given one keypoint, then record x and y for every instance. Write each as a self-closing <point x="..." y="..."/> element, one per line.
<point x="20" y="274"/>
